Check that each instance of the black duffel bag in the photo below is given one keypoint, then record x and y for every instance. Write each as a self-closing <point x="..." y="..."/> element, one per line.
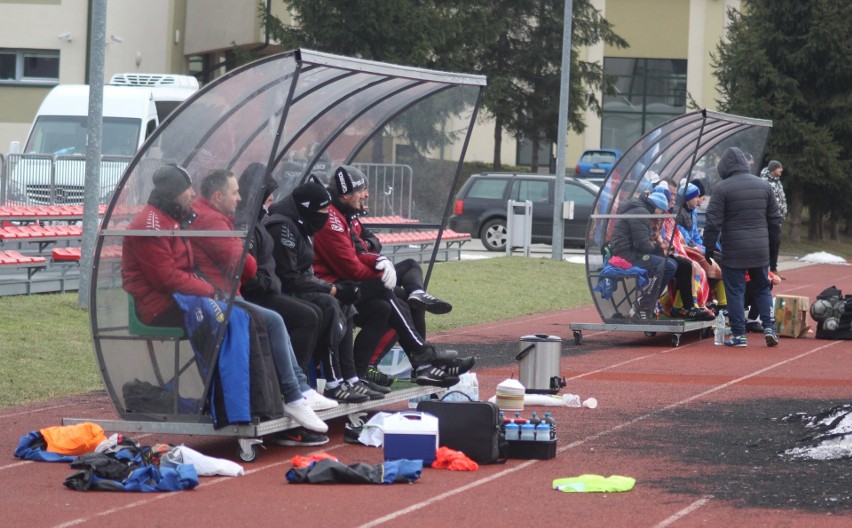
<point x="472" y="427"/>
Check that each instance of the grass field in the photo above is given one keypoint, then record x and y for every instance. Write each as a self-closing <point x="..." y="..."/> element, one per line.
<point x="46" y="347"/>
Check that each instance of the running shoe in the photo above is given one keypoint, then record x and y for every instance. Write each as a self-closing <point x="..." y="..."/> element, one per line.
<point x="299" y="437"/>
<point x="343" y="393"/>
<point x="361" y="387"/>
<point x="770" y="336"/>
<point x="737" y="341"/>
<point x="434" y="376"/>
<point x="430" y="303"/>
<point x="378" y="377"/>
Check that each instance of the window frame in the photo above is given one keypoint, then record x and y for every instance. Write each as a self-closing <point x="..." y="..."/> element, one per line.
<point x="20" y="77"/>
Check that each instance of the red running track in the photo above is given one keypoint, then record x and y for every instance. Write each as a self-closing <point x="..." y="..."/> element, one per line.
<point x="697" y="426"/>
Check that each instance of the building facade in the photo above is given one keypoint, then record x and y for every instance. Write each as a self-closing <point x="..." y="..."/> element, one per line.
<point x="46" y="42"/>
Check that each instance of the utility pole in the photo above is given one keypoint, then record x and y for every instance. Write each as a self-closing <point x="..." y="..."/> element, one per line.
<point x="557" y="245"/>
<point x="93" y="149"/>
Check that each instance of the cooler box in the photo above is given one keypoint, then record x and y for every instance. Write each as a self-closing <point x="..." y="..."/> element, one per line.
<point x="791" y="315"/>
<point x="411" y="435"/>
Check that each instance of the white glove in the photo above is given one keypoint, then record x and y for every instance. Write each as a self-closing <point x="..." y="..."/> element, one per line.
<point x="388" y="272"/>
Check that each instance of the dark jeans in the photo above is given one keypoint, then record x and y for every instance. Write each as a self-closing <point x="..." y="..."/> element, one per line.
<point x="662" y="268"/>
<point x="735" y="289"/>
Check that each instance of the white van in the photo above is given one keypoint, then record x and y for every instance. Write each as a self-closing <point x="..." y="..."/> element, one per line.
<point x="51" y="168"/>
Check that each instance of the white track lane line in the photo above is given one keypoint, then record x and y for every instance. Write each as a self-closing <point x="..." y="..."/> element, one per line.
<point x="684" y="512"/>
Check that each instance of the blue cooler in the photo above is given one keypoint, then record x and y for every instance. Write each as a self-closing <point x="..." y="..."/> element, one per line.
<point x="411" y="435"/>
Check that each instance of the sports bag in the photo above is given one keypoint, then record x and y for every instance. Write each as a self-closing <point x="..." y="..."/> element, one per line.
<point x="472" y="427"/>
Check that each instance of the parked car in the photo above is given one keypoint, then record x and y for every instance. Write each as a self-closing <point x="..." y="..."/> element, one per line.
<point x="594" y="164"/>
<point x="480" y="207"/>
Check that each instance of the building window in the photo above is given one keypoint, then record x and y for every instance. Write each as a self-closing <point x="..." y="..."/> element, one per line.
<point x="644" y="94"/>
<point x="29" y="66"/>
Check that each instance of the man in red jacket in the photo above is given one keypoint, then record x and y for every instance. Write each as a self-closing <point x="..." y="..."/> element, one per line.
<point x="336" y="259"/>
<point x="172" y="190"/>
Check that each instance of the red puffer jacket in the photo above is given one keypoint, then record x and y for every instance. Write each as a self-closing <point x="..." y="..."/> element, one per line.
<point x="152" y="268"/>
<point x="335" y="257"/>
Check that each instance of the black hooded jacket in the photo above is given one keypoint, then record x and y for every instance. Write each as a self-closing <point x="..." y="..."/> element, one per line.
<point x="632" y="237"/>
<point x="744" y="211"/>
<point x="293" y="249"/>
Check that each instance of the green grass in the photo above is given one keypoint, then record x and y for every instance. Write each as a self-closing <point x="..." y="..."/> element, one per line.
<point x="842" y="247"/>
<point x="46" y="347"/>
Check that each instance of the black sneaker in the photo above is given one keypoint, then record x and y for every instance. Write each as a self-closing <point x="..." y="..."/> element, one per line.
<point x="434" y="376"/>
<point x="299" y="437"/>
<point x="378" y="377"/>
<point x="458" y="366"/>
<point x="361" y="387"/>
<point x="351" y="433"/>
<point x="699" y="314"/>
<point x="430" y="303"/>
<point x="430" y="354"/>
<point x="344" y="394"/>
<point x="376" y="387"/>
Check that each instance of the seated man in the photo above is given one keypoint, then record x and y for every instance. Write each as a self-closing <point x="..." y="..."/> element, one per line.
<point x="155" y="267"/>
<point x="292" y="222"/>
<point x="336" y="259"/>
<point x="409" y="283"/>
<point x="637" y="240"/>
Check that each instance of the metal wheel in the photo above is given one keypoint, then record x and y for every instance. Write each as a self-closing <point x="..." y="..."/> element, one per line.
<point x="494" y="234"/>
<point x="249" y="449"/>
<point x="675" y="340"/>
<point x="249" y="455"/>
<point x="650" y="334"/>
<point x="578" y="337"/>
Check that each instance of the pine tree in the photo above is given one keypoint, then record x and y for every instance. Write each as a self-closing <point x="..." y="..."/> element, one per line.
<point x="788" y="61"/>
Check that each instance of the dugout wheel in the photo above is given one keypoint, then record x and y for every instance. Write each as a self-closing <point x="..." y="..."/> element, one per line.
<point x="675" y="340"/>
<point x="578" y="337"/>
<point x="249" y="449"/>
<point x="650" y="334"/>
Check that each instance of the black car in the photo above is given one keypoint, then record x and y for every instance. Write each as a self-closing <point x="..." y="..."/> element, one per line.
<point x="480" y="207"/>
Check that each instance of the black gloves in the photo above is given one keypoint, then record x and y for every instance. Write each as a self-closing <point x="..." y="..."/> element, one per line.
<point x="709" y="252"/>
<point x="348" y="292"/>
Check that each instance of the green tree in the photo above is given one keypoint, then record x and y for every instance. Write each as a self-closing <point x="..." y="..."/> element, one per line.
<point x="788" y="60"/>
<point x="515" y="43"/>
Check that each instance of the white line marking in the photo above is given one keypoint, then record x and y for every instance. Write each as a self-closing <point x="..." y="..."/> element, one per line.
<point x="684" y="512"/>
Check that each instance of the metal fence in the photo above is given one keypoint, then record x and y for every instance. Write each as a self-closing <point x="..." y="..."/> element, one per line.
<point x="44" y="179"/>
<point x="390" y="187"/>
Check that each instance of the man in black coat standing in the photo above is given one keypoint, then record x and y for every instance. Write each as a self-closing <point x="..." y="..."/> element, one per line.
<point x="744" y="213"/>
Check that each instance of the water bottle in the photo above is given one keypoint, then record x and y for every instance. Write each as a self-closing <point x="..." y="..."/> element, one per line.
<point x="518" y="420"/>
<point x="542" y="432"/>
<point x="513" y="431"/>
<point x="534" y="419"/>
<point x="549" y="420"/>
<point x="719" y="333"/>
<point x="528" y="432"/>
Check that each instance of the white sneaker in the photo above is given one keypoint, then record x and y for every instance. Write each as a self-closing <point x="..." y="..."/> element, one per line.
<point x="318" y="402"/>
<point x="301" y="412"/>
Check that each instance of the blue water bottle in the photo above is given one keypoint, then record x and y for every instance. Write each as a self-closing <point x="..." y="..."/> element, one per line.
<point x="528" y="432"/>
<point x="513" y="431"/>
<point x="542" y="432"/>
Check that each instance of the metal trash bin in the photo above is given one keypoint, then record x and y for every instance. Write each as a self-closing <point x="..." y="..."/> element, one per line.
<point x="539" y="367"/>
<point x="519" y="226"/>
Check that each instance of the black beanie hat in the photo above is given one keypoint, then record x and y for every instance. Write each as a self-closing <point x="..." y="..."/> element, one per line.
<point x="311" y="196"/>
<point x="171" y="180"/>
<point x="348" y="179"/>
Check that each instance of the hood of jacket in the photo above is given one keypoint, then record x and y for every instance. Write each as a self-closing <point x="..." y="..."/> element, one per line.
<point x="634" y="203"/>
<point x="733" y="161"/>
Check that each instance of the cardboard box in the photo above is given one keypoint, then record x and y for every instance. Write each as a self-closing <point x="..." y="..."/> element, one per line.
<point x="791" y="315"/>
<point x="411" y="435"/>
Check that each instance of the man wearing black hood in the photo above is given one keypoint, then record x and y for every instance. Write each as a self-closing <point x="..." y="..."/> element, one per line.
<point x="292" y="223"/>
<point x="744" y="216"/>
